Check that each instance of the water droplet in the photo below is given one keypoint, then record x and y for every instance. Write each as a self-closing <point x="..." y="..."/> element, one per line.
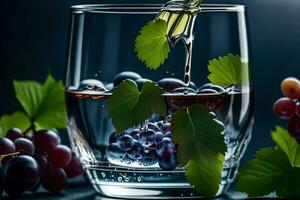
<point x="167" y="72"/>
<point x="172" y="74"/>
<point x="96" y="75"/>
<point x="181" y="195"/>
<point x="103" y="174"/>
<point x="146" y="149"/>
<point x="192" y="194"/>
<point x="119" y="179"/>
<point x="139" y="179"/>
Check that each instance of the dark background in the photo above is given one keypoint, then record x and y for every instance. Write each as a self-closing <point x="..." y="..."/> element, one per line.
<point x="33" y="39"/>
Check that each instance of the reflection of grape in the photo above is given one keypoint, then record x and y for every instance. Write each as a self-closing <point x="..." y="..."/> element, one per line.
<point x="149" y="157"/>
<point x="125" y="142"/>
<point x="284" y="108"/>
<point x="147" y="138"/>
<point x="114" y="151"/>
<point x="135" y="152"/>
<point x="169" y="84"/>
<point x="124" y="76"/>
<point x="168" y="163"/>
<point x="290" y="87"/>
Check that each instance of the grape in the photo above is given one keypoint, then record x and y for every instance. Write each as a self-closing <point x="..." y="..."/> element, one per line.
<point x="166" y="148"/>
<point x="166" y="127"/>
<point x="135" y="134"/>
<point x="155" y="118"/>
<point x="13" y="134"/>
<point x="147" y="138"/>
<point x="298" y="109"/>
<point x="140" y="82"/>
<point x="160" y="123"/>
<point x="92" y="84"/>
<point x="168" y="119"/>
<point x="125" y="142"/>
<point x="169" y="84"/>
<point x="153" y="126"/>
<point x="284" y="108"/>
<point x="148" y="157"/>
<point x="159" y="136"/>
<point x="114" y="151"/>
<point x="74" y="168"/>
<point x="168" y="163"/>
<point x="207" y="91"/>
<point x="294" y="127"/>
<point x="1" y="184"/>
<point x="42" y="161"/>
<point x="210" y="86"/>
<point x="290" y="87"/>
<point x="60" y="156"/>
<point x="55" y="179"/>
<point x="168" y="135"/>
<point x="193" y="86"/>
<point x="124" y="76"/>
<point x="213" y="102"/>
<point x="24" y="146"/>
<point x="45" y="140"/>
<point x="135" y="152"/>
<point x="20" y="174"/>
<point x="6" y="146"/>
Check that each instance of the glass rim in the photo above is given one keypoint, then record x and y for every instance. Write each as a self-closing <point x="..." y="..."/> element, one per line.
<point x="149" y="8"/>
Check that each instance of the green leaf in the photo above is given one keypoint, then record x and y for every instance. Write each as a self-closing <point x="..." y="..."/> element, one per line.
<point x="128" y="107"/>
<point x="18" y="119"/>
<point x="228" y="70"/>
<point x="201" y="147"/>
<point x="269" y="171"/>
<point x="288" y="144"/>
<point x="152" y="45"/>
<point x="44" y="104"/>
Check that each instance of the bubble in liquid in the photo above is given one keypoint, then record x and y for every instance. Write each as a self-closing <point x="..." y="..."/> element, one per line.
<point x="119" y="179"/>
<point x="103" y="174"/>
<point x="139" y="179"/>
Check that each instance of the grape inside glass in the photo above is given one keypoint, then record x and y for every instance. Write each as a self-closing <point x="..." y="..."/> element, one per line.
<point x="101" y="55"/>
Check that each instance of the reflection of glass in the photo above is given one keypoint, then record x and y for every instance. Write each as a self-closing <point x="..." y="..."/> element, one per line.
<point x="101" y="46"/>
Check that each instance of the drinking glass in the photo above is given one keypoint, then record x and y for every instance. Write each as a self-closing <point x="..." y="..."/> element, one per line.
<point x="101" y="45"/>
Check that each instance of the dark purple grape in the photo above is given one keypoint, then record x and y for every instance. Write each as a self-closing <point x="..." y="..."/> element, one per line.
<point x="1" y="184"/>
<point x="149" y="157"/>
<point x="20" y="174"/>
<point x="42" y="161"/>
<point x="60" y="156"/>
<point x="125" y="142"/>
<point x="216" y="88"/>
<point x="55" y="179"/>
<point x="166" y="148"/>
<point x="24" y="146"/>
<point x="168" y="135"/>
<point x="147" y="138"/>
<point x="140" y="82"/>
<point x="155" y="118"/>
<point x="284" y="108"/>
<point x="135" y="134"/>
<point x="166" y="127"/>
<point x="160" y="123"/>
<point x="159" y="136"/>
<point x="135" y="152"/>
<point x="180" y="100"/>
<point x="153" y="126"/>
<point x="168" y="119"/>
<point x="113" y="138"/>
<point x="213" y="102"/>
<point x="114" y="151"/>
<point x="13" y="134"/>
<point x="45" y="140"/>
<point x="169" y="84"/>
<point x="294" y="127"/>
<point x="6" y="146"/>
<point x="124" y="76"/>
<point x="168" y="164"/>
<point x="92" y="84"/>
<point x="74" y="168"/>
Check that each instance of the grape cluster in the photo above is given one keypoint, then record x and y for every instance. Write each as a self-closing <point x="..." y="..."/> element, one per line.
<point x="31" y="160"/>
<point x="150" y="144"/>
<point x="288" y="107"/>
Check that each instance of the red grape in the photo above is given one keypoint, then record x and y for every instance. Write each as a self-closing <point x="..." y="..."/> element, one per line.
<point x="42" y="161"/>
<point x="45" y="140"/>
<point x="60" y="156"/>
<point x="6" y="146"/>
<point x="55" y="179"/>
<point x="74" y="168"/>
<point x="24" y="146"/>
<point x="20" y="174"/>
<point x="13" y="134"/>
<point x="284" y="108"/>
<point x="294" y="127"/>
<point x="290" y="87"/>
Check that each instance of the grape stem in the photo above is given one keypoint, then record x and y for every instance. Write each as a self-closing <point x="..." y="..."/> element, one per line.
<point x="9" y="154"/>
<point x="31" y="127"/>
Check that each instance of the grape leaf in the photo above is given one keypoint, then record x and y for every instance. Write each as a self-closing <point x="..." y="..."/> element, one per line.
<point x="228" y="70"/>
<point x="152" y="45"/>
<point x="44" y="104"/>
<point x="269" y="171"/>
<point x="128" y="107"/>
<point x="201" y="147"/>
<point x="17" y="119"/>
<point x="288" y="145"/>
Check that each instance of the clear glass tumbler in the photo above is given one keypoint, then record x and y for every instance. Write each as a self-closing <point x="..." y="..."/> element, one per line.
<point x="101" y="46"/>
